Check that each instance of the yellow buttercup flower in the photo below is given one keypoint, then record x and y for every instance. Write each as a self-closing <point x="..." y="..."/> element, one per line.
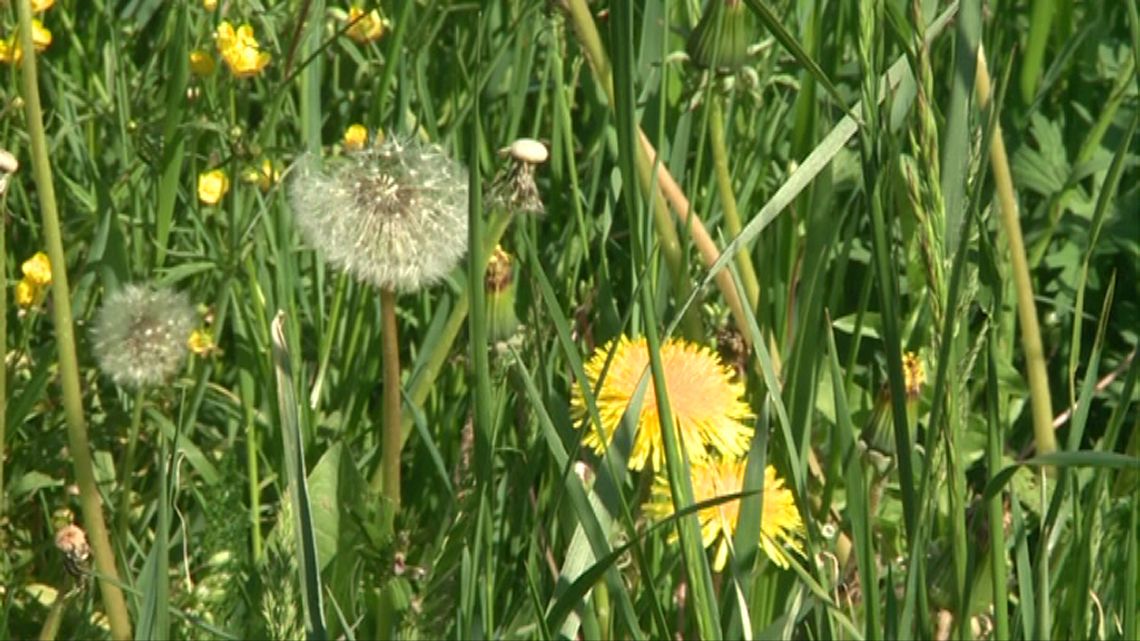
<point x="37" y="270"/>
<point x="26" y="293"/>
<point x="201" y="342"/>
<point x="365" y="27"/>
<point x="780" y="525"/>
<point x="240" y="50"/>
<point x="355" y="137"/>
<point x="201" y="63"/>
<point x="10" y="51"/>
<point x="706" y="403"/>
<point x="264" y="176"/>
<point x="212" y="186"/>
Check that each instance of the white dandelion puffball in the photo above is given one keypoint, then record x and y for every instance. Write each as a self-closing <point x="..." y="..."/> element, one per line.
<point x="140" y="334"/>
<point x="394" y="215"/>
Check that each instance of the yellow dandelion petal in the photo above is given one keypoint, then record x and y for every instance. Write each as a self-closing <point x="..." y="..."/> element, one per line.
<point x="355" y="137"/>
<point x="706" y="403"/>
<point x="780" y="527"/>
<point x="202" y="63"/>
<point x="26" y="293"/>
<point x="37" y="270"/>
<point x="212" y="186"/>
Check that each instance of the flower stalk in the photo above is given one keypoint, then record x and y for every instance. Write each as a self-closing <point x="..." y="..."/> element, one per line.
<point x="114" y="604"/>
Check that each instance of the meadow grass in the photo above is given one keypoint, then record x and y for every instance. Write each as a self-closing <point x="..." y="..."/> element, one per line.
<point x="909" y="231"/>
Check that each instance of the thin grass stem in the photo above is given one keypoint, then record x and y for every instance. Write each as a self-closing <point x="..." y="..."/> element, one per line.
<point x="113" y="602"/>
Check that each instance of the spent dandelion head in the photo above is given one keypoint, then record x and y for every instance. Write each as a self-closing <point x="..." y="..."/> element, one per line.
<point x="514" y="188"/>
<point x="707" y="404"/>
<point x="393" y="215"/>
<point x="781" y="527"/>
<point x="140" y="334"/>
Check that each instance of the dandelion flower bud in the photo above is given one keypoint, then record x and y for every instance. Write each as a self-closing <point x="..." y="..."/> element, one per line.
<point x="393" y="215"/>
<point x="499" y="285"/>
<point x="141" y="334"/>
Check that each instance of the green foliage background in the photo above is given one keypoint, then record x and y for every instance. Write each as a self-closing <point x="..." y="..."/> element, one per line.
<point x="884" y="243"/>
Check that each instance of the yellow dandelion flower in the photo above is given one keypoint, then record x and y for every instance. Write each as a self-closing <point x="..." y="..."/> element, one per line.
<point x="212" y="186"/>
<point x="355" y="137"/>
<point x="240" y="50"/>
<point x="780" y="526"/>
<point x="27" y="293"/>
<point x="202" y="63"/>
<point x="707" y="404"/>
<point x="37" y="270"/>
<point x="365" y="27"/>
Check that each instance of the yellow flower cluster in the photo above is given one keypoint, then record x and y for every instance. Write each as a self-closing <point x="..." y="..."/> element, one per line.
<point x="240" y="50"/>
<point x="365" y="27"/>
<point x="708" y="419"/>
<point x="32" y="287"/>
<point x="10" y="51"/>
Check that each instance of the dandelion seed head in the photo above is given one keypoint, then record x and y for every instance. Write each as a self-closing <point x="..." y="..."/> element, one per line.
<point x="141" y="334"/>
<point x="393" y="215"/>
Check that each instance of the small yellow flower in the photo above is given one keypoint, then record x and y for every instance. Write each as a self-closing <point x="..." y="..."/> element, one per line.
<point x="212" y="186"/>
<point x="201" y="63"/>
<point x="209" y="5"/>
<point x="240" y="50"/>
<point x="355" y="137"/>
<point x="706" y="403"/>
<point x="365" y="27"/>
<point x="27" y="293"/>
<point x="37" y="270"/>
<point x="914" y="375"/>
<point x="780" y="525"/>
<point x="10" y="51"/>
<point x="201" y="342"/>
<point x="264" y="177"/>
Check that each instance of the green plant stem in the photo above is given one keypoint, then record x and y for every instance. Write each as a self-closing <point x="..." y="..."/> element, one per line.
<point x="113" y="602"/>
<point x="123" y="518"/>
<point x="392" y="440"/>
<point x="421" y="385"/>
<point x="728" y="199"/>
<point x="1040" y="400"/>
<point x="587" y="32"/>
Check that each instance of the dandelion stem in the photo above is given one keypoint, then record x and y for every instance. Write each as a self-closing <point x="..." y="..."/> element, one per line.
<point x="128" y="468"/>
<point x="392" y="440"/>
<point x="113" y="601"/>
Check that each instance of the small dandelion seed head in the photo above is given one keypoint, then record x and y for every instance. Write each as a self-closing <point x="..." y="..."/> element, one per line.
<point x="393" y="215"/>
<point x="141" y="334"/>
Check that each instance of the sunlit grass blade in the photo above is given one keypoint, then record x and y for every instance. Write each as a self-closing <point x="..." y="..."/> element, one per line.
<point x="293" y="443"/>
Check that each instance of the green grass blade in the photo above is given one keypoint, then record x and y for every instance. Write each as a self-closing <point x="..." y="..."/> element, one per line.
<point x="293" y="444"/>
